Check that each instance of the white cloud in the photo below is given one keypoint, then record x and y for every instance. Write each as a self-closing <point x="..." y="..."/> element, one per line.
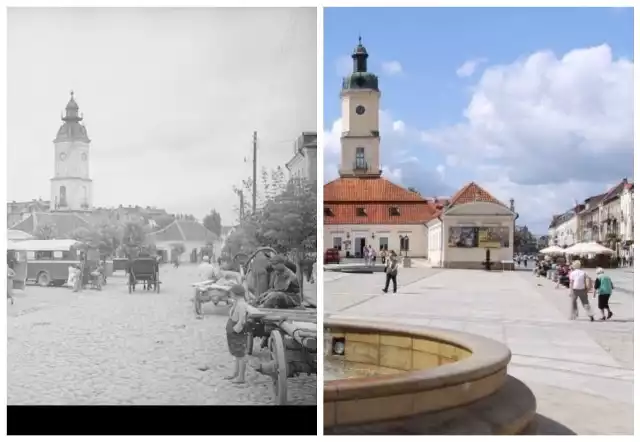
<point x="398" y="126"/>
<point x="344" y="66"/>
<point x="441" y="170"/>
<point x="546" y="129"/>
<point x="392" y="174"/>
<point x="392" y="67"/>
<point x="169" y="102"/>
<point x="469" y="67"/>
<point x="452" y="160"/>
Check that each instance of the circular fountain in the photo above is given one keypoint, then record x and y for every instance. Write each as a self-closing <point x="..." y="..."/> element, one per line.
<point x="396" y="379"/>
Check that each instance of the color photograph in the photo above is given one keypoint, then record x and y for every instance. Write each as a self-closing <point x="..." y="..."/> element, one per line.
<point x="478" y="221"/>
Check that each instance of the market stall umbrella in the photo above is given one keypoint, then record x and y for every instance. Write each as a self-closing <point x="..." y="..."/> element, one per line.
<point x="588" y="248"/>
<point x="553" y="250"/>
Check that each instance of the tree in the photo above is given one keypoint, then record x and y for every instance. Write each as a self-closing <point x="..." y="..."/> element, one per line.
<point x="46" y="231"/>
<point x="213" y="222"/>
<point x="523" y="240"/>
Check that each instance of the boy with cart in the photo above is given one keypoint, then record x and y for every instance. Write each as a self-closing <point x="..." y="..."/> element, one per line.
<point x="236" y="335"/>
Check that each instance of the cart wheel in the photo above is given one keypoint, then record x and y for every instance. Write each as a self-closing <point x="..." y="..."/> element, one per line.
<point x="198" y="305"/>
<point x="250" y="343"/>
<point x="278" y="355"/>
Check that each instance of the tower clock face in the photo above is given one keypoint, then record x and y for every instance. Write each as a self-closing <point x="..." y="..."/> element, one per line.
<point x="63" y="156"/>
<point x="84" y="157"/>
<point x="360" y="109"/>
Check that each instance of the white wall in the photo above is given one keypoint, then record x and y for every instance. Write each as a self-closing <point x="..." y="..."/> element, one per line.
<point x="567" y="232"/>
<point x="435" y="243"/>
<point x="476" y="215"/>
<point x="417" y="234"/>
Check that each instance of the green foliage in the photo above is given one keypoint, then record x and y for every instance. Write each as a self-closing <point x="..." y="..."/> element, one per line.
<point x="213" y="222"/>
<point x="286" y="221"/>
<point x="134" y="235"/>
<point x="46" y="231"/>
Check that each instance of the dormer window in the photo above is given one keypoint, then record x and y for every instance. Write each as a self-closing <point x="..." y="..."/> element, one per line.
<point x="394" y="211"/>
<point x="360" y="211"/>
<point x="328" y="211"/>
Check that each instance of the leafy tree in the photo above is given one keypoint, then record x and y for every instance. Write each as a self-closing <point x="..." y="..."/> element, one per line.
<point x="213" y="222"/>
<point x="46" y="231"/>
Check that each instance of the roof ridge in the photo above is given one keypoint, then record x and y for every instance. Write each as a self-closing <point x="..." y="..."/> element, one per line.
<point x="184" y="237"/>
<point x="165" y="228"/>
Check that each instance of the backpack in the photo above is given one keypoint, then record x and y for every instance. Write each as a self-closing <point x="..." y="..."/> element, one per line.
<point x="606" y="286"/>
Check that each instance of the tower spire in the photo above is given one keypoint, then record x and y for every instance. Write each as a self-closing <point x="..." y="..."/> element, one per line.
<point x="72" y="108"/>
<point x="360" y="57"/>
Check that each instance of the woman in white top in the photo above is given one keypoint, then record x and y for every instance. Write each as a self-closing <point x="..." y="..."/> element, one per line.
<point x="579" y="285"/>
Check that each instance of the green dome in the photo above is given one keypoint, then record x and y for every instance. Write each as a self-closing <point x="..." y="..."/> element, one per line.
<point x="360" y="80"/>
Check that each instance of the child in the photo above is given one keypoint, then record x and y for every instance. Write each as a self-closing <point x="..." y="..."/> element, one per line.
<point x="236" y="336"/>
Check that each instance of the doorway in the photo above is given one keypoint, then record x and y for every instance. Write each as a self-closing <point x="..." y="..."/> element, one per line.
<point x="360" y="243"/>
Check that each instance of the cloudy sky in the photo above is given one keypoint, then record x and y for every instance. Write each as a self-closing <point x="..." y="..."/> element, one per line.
<point x="531" y="103"/>
<point x="170" y="97"/>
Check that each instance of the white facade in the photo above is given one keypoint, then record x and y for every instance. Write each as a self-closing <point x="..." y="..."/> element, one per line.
<point x="360" y="139"/>
<point x="304" y="163"/>
<point x="566" y="233"/>
<point x="350" y="237"/>
<point x="478" y="214"/>
<point x="626" y="207"/>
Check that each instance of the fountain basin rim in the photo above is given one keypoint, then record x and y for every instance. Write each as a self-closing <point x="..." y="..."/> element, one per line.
<point x="487" y="357"/>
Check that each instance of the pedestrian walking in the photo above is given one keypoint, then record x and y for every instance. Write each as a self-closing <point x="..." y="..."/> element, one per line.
<point x="77" y="282"/>
<point x="372" y="255"/>
<point x="383" y="256"/>
<point x="579" y="285"/>
<point x="10" y="275"/>
<point x="236" y="334"/>
<point x="391" y="271"/>
<point x="604" y="288"/>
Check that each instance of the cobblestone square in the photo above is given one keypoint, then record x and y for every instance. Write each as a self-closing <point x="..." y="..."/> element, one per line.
<point x="115" y="348"/>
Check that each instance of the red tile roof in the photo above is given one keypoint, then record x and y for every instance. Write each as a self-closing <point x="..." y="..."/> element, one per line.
<point x="367" y="189"/>
<point x="378" y="213"/>
<point x="471" y="193"/>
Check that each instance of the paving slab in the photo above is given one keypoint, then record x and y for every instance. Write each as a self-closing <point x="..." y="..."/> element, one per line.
<point x="581" y="371"/>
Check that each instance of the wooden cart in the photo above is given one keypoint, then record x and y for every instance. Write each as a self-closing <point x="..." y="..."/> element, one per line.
<point x="146" y="271"/>
<point x="291" y="337"/>
<point x="289" y="334"/>
<point x="209" y="291"/>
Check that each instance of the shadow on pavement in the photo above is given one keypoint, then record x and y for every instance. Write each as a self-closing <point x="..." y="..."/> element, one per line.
<point x="546" y="427"/>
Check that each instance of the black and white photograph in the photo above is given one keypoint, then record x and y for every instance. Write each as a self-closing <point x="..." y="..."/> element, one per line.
<point x="161" y="212"/>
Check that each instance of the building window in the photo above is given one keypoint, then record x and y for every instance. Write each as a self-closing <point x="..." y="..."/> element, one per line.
<point x="361" y="164"/>
<point x="360" y="211"/>
<point x="404" y="243"/>
<point x="384" y="243"/>
<point x="394" y="211"/>
<point x="63" y="196"/>
<point x="327" y="211"/>
<point x="337" y="242"/>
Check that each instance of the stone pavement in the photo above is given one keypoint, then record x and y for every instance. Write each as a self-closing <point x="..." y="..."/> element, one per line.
<point x="580" y="372"/>
<point x="113" y="348"/>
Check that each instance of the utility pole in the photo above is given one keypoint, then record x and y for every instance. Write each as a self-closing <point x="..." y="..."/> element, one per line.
<point x="241" y="209"/>
<point x="255" y="169"/>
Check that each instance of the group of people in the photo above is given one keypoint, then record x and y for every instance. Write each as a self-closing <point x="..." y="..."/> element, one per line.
<point x="580" y="284"/>
<point x="370" y="255"/>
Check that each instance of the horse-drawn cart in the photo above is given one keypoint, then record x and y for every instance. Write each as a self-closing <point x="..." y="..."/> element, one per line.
<point x="146" y="271"/>
<point x="210" y="291"/>
<point x="289" y="334"/>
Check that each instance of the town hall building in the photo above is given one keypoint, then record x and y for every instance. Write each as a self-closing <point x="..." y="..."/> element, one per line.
<point x="363" y="208"/>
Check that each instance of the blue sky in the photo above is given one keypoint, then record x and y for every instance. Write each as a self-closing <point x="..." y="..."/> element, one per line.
<point x="531" y="103"/>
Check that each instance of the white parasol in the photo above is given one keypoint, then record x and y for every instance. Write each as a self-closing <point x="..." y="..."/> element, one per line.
<point x="553" y="250"/>
<point x="588" y="248"/>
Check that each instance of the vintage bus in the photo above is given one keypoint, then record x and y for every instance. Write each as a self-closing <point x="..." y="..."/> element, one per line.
<point x="48" y="261"/>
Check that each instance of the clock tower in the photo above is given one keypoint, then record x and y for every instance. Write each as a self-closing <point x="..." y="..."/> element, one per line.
<point x="71" y="187"/>
<point x="360" y="140"/>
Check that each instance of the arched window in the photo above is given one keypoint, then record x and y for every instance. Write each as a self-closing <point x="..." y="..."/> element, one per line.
<point x="361" y="164"/>
<point x="63" y="196"/>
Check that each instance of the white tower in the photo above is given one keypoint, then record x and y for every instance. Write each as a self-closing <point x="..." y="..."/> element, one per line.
<point x="71" y="187"/>
<point x="360" y="139"/>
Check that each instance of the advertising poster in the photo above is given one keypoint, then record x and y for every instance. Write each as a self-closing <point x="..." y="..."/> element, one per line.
<point x="493" y="237"/>
<point x="466" y="237"/>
